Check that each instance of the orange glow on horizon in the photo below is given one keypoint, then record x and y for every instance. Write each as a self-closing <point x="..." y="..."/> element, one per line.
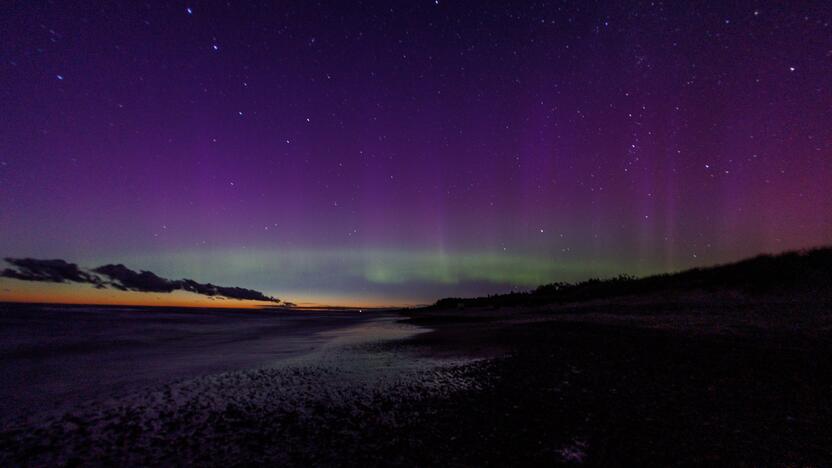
<point x="66" y="293"/>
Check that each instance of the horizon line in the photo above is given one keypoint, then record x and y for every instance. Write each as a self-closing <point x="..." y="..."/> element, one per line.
<point x="208" y="306"/>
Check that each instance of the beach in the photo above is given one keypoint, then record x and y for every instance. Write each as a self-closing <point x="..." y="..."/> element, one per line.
<point x="64" y="355"/>
<point x="651" y="383"/>
<point x="150" y="386"/>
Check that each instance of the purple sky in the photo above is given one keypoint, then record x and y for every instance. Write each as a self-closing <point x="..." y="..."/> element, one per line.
<point x="397" y="152"/>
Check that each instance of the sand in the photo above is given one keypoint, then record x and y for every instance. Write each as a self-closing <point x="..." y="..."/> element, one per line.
<point x="644" y="383"/>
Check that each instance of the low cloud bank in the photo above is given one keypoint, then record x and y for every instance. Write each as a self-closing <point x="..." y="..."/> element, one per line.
<point x="122" y="278"/>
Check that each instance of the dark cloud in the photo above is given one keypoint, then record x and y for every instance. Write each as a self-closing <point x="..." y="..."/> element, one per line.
<point x="122" y="278"/>
<point x="231" y="292"/>
<point x="51" y="271"/>
<point x="128" y="280"/>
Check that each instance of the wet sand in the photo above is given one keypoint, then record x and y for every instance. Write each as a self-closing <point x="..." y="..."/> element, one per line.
<point x="53" y="357"/>
<point x="202" y="386"/>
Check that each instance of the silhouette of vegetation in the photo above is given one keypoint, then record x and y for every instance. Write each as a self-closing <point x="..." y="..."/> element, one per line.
<point x="808" y="271"/>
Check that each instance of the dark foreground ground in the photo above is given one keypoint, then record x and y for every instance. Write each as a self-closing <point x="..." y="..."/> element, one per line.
<point x="667" y="384"/>
<point x="657" y="382"/>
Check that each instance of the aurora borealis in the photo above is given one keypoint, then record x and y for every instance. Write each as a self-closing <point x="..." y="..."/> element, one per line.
<point x="371" y="153"/>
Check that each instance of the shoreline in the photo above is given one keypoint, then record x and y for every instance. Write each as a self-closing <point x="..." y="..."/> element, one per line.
<point x="613" y="383"/>
<point x="64" y="356"/>
<point x="287" y="400"/>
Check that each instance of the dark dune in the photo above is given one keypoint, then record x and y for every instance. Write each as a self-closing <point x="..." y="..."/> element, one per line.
<point x="806" y="273"/>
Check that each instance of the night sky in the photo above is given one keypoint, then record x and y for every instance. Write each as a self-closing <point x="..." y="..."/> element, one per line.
<point x="397" y="152"/>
